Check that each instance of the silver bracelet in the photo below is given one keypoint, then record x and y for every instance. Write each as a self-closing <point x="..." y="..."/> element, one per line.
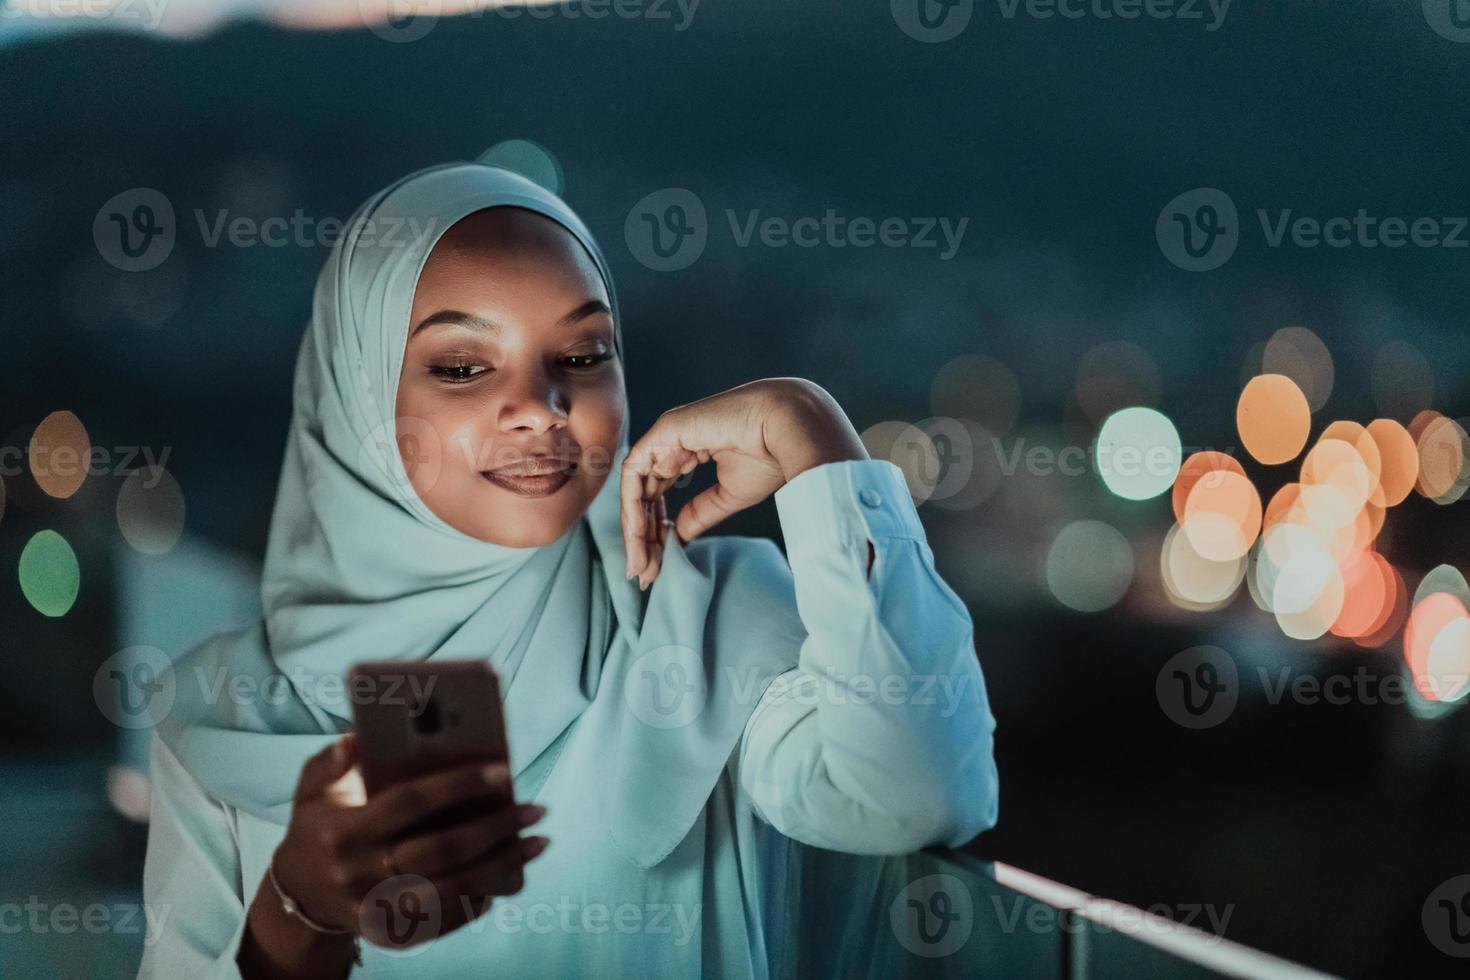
<point x="291" y="908"/>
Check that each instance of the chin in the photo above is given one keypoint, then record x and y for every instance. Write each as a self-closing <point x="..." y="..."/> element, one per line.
<point x="525" y="523"/>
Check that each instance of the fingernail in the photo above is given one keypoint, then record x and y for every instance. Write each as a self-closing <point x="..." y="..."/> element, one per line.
<point x="495" y="773"/>
<point x="533" y="846"/>
<point x="530" y="814"/>
<point x="642" y="585"/>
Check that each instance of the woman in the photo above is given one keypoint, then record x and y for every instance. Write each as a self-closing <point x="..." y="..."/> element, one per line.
<point x="458" y="483"/>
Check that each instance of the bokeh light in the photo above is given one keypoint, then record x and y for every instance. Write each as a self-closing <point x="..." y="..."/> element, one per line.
<point x="1444" y="460"/>
<point x="1193" y="581"/>
<point x="1273" y="418"/>
<point x="1443" y="578"/>
<point x="1300" y="355"/>
<point x="1089" y="566"/>
<point x="973" y="386"/>
<point x="150" y="510"/>
<point x="969" y="464"/>
<point x="910" y="449"/>
<point x="49" y="574"/>
<point x="1222" y="516"/>
<point x="1201" y="466"/>
<point x="59" y="454"/>
<point x="1138" y="453"/>
<point x="531" y="160"/>
<point x="1398" y="459"/>
<point x="1439" y="668"/>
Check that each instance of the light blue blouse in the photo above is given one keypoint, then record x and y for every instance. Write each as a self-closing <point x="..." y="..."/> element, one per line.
<point x="878" y="742"/>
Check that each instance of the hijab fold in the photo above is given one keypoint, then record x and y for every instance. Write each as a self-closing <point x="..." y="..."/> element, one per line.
<point x="357" y="568"/>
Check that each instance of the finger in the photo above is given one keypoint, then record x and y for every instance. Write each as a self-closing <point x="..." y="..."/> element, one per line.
<point x="391" y="813"/>
<point x="501" y="874"/>
<point x="326" y="767"/>
<point x="630" y="492"/>
<point x="703" y="512"/>
<point x="432" y="855"/>
<point x="650" y="470"/>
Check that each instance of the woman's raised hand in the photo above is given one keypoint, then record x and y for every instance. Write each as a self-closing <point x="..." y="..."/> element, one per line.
<point x="361" y="867"/>
<point x="760" y="435"/>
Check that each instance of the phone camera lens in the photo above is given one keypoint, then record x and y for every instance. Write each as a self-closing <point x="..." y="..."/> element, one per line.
<point x="428" y="720"/>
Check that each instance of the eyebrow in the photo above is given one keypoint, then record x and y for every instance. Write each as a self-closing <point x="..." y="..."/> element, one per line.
<point x="590" y="308"/>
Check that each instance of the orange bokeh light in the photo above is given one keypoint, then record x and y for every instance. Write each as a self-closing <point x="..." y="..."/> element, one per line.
<point x="1273" y="418"/>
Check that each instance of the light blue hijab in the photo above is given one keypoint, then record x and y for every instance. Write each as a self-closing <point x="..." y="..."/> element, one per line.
<point x="358" y="568"/>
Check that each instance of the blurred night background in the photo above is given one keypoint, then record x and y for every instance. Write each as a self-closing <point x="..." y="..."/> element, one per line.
<point x="1323" y="824"/>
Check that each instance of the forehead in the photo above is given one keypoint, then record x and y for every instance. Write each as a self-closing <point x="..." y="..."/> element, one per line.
<point x="507" y="253"/>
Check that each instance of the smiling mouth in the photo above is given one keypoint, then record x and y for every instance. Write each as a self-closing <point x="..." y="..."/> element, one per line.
<point x="542" y="484"/>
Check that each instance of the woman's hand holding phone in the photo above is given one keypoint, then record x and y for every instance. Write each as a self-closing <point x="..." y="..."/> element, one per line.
<point x="335" y="858"/>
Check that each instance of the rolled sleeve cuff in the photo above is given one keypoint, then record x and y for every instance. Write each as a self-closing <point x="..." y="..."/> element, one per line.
<point x="846" y="504"/>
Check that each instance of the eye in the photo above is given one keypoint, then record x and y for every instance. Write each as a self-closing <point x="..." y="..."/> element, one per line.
<point x="585" y="361"/>
<point x="458" y="372"/>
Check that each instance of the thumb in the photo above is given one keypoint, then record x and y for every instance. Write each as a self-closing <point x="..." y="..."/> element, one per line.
<point x="326" y="767"/>
<point x="703" y="512"/>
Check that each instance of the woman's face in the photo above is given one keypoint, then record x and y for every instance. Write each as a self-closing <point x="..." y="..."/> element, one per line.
<point x="511" y="399"/>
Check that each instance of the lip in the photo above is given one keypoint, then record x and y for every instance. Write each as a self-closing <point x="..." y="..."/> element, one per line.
<point x="533" y="484"/>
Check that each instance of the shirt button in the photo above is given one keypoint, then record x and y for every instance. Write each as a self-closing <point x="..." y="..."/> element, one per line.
<point x="870" y="497"/>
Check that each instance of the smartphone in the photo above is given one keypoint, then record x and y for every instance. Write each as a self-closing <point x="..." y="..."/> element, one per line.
<point x="416" y="718"/>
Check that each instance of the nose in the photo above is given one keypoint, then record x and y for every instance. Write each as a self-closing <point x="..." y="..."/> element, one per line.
<point x="532" y="402"/>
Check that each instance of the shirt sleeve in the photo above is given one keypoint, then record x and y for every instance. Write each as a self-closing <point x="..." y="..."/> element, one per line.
<point x="191" y="878"/>
<point x="880" y="741"/>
